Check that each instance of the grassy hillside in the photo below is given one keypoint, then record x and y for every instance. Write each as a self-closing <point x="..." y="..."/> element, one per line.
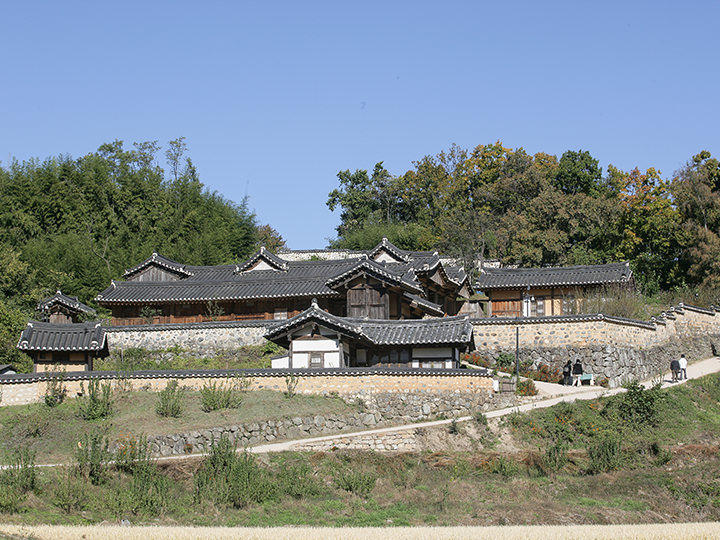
<point x="645" y="456"/>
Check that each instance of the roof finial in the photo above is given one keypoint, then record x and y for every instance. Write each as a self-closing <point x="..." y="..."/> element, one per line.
<point x="315" y="303"/>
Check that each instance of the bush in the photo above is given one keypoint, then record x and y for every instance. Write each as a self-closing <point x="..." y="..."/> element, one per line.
<point x="170" y="400"/>
<point x="556" y="456"/>
<point x="92" y="457"/>
<point x="228" y="478"/>
<point x="291" y="382"/>
<point x="146" y="495"/>
<point x="97" y="403"/>
<point x="605" y="453"/>
<point x="11" y="498"/>
<point x="358" y="482"/>
<point x="133" y="455"/>
<point x="68" y="493"/>
<point x="526" y="387"/>
<point x="55" y="390"/>
<point x="297" y="481"/>
<point x="638" y="406"/>
<point x="505" y="360"/>
<point x="504" y="466"/>
<point x="19" y="472"/>
<point x="214" y="396"/>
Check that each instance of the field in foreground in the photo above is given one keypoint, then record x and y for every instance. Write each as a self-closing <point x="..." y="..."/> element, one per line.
<point x="684" y="531"/>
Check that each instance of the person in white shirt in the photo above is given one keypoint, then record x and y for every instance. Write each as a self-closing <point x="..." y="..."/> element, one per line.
<point x="683" y="367"/>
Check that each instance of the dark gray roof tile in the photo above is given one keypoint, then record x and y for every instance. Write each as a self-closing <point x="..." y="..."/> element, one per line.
<point x="69" y="302"/>
<point x="563" y="276"/>
<point x="40" y="336"/>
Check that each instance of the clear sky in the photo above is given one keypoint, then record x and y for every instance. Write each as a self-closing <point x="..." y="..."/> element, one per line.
<point x="274" y="98"/>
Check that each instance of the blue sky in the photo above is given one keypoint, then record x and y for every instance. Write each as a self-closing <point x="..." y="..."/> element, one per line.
<point x="274" y="98"/>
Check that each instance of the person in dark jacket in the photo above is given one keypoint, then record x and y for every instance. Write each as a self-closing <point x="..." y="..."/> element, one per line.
<point x="675" y="368"/>
<point x="577" y="372"/>
<point x="567" y="373"/>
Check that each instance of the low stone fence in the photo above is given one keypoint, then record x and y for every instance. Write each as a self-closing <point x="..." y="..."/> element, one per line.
<point x="373" y="411"/>
<point x="345" y="382"/>
<point x="199" y="338"/>
<point x="609" y="347"/>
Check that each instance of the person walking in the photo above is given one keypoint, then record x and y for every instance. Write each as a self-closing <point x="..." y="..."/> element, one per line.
<point x="675" y="369"/>
<point x="567" y="373"/>
<point x="577" y="372"/>
<point x="683" y="367"/>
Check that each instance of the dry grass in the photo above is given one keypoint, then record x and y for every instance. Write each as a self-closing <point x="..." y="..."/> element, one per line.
<point x="664" y="531"/>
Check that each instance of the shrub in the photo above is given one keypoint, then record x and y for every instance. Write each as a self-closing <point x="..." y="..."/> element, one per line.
<point x="133" y="455"/>
<point x="291" y="382"/>
<point x="11" y="498"/>
<point x="97" y="403"/>
<point x="605" y="453"/>
<point x="92" y="457"/>
<point x="555" y="456"/>
<point x="453" y="427"/>
<point x="504" y="466"/>
<point x="526" y="387"/>
<point x="170" y="400"/>
<point x="20" y="472"/>
<point x="55" y="390"/>
<point x="228" y="478"/>
<point x="214" y="396"/>
<point x="481" y="419"/>
<point x="68" y="493"/>
<point x="358" y="482"/>
<point x="505" y="360"/>
<point x="297" y="481"/>
<point x="146" y="495"/>
<point x="638" y="406"/>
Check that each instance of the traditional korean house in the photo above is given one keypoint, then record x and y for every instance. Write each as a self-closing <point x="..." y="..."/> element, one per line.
<point x="382" y="283"/>
<point x="316" y="339"/>
<point x="63" y="347"/>
<point x="540" y="292"/>
<point x="63" y="309"/>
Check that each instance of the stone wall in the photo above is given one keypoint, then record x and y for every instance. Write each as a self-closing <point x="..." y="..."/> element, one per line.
<point x="373" y="411"/>
<point x="609" y="347"/>
<point x="199" y="338"/>
<point x="352" y="383"/>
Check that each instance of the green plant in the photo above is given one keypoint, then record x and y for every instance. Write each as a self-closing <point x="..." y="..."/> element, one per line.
<point x="605" y="453"/>
<point x="214" y="396"/>
<point x="638" y="406"/>
<point x="214" y="310"/>
<point x="228" y="478"/>
<point x="297" y="481"/>
<point x="358" y="482"/>
<point x="92" y="457"/>
<point x="19" y="473"/>
<point x="148" y="314"/>
<point x="97" y="403"/>
<point x="55" y="390"/>
<point x="505" y="360"/>
<point x="526" y="387"/>
<point x="453" y="427"/>
<point x="271" y="349"/>
<point x="68" y="492"/>
<point x="504" y="466"/>
<point x="170" y="400"/>
<point x="291" y="383"/>
<point x="11" y="498"/>
<point x="481" y="419"/>
<point x="133" y="455"/>
<point x="146" y="494"/>
<point x="555" y="456"/>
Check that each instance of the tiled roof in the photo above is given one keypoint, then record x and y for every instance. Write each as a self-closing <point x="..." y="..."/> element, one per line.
<point x="564" y="276"/>
<point x="379" y="271"/>
<point x="160" y="261"/>
<point x="263" y="255"/>
<point x="40" y="336"/>
<point x="430" y="307"/>
<point x="438" y="331"/>
<point x="388" y="247"/>
<point x="70" y="302"/>
<point x="285" y="279"/>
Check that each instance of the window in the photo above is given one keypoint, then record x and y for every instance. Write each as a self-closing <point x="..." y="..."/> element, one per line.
<point x="316" y="360"/>
<point x="280" y="314"/>
<point x="537" y="306"/>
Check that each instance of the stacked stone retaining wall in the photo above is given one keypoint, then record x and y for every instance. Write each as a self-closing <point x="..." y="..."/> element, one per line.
<point x="372" y="411"/>
<point x="609" y="347"/>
